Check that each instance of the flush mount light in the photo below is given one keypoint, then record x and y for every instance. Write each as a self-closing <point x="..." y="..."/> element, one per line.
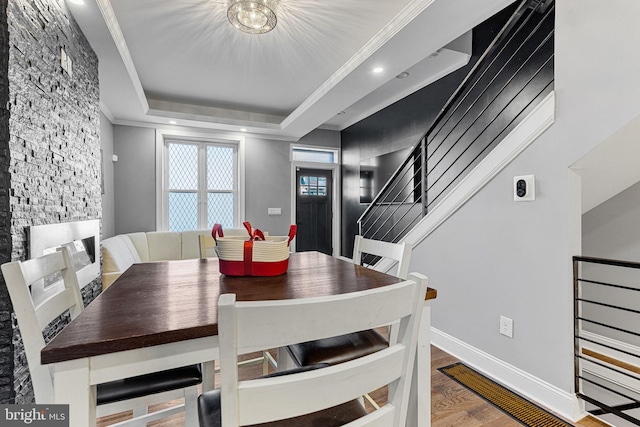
<point x="402" y="75"/>
<point x="341" y="113"/>
<point x="378" y="70"/>
<point x="253" y="17"/>
<point x="243" y="129"/>
<point x="172" y="122"/>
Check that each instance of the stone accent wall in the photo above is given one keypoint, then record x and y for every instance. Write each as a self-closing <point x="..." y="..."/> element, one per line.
<point x="6" y="353"/>
<point x="52" y="168"/>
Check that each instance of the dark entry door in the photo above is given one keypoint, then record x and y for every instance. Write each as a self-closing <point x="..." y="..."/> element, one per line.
<point x="313" y="210"/>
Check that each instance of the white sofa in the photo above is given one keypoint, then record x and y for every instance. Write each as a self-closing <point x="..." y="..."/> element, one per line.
<point x="121" y="251"/>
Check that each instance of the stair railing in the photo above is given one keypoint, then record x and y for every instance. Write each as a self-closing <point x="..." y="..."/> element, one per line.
<point x="473" y="121"/>
<point x="607" y="337"/>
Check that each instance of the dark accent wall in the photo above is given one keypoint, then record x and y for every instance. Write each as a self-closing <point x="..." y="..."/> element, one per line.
<point x="49" y="149"/>
<point x="399" y="126"/>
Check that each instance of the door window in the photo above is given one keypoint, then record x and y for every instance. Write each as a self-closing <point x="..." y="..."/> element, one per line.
<point x="313" y="186"/>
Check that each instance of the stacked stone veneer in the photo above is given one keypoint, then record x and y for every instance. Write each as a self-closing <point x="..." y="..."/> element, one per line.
<point x="49" y="148"/>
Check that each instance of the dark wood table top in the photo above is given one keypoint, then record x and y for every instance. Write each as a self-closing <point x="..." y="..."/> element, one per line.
<point x="169" y="301"/>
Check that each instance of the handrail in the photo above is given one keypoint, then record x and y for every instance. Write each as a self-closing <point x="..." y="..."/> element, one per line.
<point x="607" y="261"/>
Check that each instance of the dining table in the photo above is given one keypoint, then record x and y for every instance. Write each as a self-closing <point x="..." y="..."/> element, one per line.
<point x="163" y="315"/>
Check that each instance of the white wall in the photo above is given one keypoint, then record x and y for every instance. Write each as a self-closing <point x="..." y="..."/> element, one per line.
<point x="499" y="257"/>
<point x="611" y="230"/>
<point x="106" y="144"/>
<point x="134" y="179"/>
<point x="267" y="178"/>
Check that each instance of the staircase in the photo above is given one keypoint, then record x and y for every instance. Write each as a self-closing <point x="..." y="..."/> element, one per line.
<point x="509" y="82"/>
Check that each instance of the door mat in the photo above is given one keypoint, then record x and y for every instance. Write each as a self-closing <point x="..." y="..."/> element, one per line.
<point x="518" y="408"/>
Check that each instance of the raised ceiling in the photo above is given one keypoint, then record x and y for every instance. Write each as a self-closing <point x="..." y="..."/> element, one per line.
<point x="182" y="61"/>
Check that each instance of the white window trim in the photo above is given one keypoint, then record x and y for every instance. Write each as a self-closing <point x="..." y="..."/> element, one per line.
<point x="335" y="168"/>
<point x="162" y="202"/>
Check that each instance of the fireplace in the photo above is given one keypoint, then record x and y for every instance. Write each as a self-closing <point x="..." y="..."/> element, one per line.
<point x="83" y="240"/>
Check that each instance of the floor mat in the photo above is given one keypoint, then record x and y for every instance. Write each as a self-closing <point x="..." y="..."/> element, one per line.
<point x="507" y="401"/>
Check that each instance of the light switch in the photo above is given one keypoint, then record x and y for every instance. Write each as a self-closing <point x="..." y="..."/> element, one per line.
<point x="274" y="211"/>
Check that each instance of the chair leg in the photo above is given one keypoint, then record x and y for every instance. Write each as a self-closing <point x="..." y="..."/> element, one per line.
<point x="284" y="360"/>
<point x="191" y="407"/>
<point x="393" y="333"/>
<point x="140" y="411"/>
<point x="371" y="401"/>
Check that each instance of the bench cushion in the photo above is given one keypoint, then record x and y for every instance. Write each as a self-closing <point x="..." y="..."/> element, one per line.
<point x="118" y="254"/>
<point x="164" y="245"/>
<point x="139" y="240"/>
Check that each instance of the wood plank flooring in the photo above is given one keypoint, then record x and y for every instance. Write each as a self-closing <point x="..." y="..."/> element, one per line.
<point x="451" y="404"/>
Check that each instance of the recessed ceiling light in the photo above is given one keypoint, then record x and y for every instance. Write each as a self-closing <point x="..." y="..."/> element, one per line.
<point x="77" y="1"/>
<point x="243" y="129"/>
<point x="341" y="113"/>
<point x="378" y="70"/>
<point x="402" y="75"/>
<point x="172" y="122"/>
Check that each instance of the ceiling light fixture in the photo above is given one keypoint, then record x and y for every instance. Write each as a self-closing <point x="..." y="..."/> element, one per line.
<point x="173" y="122"/>
<point x="402" y="75"/>
<point x="253" y="17"/>
<point x="378" y="70"/>
<point x="77" y="1"/>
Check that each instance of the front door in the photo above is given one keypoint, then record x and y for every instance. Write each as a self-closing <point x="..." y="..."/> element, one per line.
<point x="314" y="210"/>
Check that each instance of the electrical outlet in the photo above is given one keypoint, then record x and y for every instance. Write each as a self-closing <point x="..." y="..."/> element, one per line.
<point x="506" y="326"/>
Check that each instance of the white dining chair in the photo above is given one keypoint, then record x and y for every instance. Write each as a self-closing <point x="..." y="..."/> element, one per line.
<point x="319" y="395"/>
<point x="64" y="297"/>
<point x="399" y="252"/>
<point x="207" y="246"/>
<point x="339" y="349"/>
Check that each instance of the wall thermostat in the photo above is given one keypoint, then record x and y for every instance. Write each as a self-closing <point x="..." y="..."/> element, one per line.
<point x="524" y="188"/>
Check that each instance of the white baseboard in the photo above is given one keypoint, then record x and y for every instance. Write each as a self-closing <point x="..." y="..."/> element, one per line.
<point x="544" y="394"/>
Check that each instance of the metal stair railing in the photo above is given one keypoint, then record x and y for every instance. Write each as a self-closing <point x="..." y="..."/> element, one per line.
<point x="606" y="337"/>
<point x="513" y="74"/>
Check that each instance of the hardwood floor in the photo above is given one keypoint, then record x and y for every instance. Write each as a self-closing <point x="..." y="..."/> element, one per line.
<point x="451" y="404"/>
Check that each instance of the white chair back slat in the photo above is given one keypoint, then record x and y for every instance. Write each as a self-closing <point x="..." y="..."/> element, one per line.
<point x="399" y="252"/>
<point x="295" y="395"/>
<point x="340" y="315"/>
<point x="278" y="323"/>
<point x="53" y="307"/>
<point x="39" y="268"/>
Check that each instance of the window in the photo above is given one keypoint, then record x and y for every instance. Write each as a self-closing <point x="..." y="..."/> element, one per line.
<point x="313" y="186"/>
<point x="200" y="187"/>
<point x="314" y="155"/>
